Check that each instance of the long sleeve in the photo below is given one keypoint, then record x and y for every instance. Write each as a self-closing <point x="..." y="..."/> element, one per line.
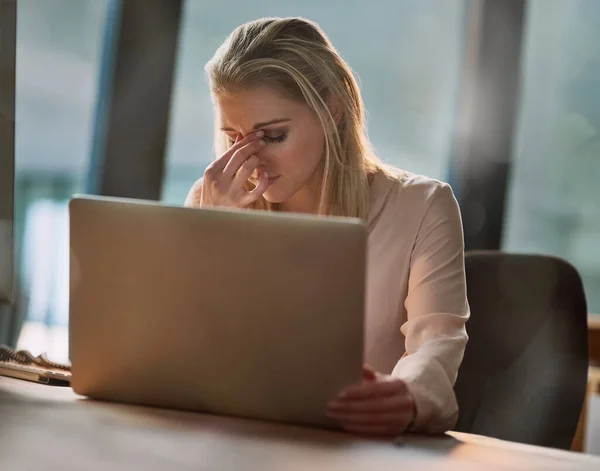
<point x="437" y="310"/>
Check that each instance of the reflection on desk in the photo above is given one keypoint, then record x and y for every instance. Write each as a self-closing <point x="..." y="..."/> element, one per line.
<point x="44" y="427"/>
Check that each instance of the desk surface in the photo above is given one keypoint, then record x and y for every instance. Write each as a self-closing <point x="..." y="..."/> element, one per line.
<point x="43" y="427"/>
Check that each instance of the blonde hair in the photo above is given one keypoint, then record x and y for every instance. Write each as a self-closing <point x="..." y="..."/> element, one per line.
<point x="294" y="56"/>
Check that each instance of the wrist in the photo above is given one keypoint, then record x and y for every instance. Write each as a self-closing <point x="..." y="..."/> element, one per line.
<point x="413" y="420"/>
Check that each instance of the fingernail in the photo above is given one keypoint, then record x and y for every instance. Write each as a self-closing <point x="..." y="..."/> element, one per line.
<point x="260" y="134"/>
<point x="261" y="142"/>
<point x="265" y="174"/>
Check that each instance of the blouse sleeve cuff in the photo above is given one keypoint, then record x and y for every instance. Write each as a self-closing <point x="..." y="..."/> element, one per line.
<point x="432" y="392"/>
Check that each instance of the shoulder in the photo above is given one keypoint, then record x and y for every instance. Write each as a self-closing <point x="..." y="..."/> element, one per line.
<point x="194" y="195"/>
<point x="417" y="208"/>
<point x="395" y="190"/>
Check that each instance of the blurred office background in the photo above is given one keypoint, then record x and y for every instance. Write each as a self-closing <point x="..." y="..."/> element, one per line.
<point x="410" y="56"/>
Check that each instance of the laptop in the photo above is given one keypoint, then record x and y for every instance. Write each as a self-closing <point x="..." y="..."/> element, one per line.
<point x="234" y="312"/>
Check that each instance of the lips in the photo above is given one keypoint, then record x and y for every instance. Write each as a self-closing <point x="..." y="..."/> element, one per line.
<point x="254" y="179"/>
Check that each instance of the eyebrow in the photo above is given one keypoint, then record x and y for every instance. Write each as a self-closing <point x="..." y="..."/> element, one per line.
<point x="261" y="125"/>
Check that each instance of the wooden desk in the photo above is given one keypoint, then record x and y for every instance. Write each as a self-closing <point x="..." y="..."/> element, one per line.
<point x="593" y="386"/>
<point x="44" y="427"/>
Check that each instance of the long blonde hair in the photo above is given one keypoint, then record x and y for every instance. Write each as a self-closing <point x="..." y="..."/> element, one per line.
<point x="294" y="56"/>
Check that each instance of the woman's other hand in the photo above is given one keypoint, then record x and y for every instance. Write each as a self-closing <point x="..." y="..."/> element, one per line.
<point x="381" y="405"/>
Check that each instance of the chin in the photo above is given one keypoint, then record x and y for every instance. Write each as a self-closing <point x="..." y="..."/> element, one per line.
<point x="276" y="195"/>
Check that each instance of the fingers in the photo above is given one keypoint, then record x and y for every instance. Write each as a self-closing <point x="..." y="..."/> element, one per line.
<point x="373" y="388"/>
<point x="239" y="157"/>
<point x="380" y="405"/>
<point x="391" y="416"/>
<point x="379" y="416"/>
<point x="245" y="171"/>
<point x="384" y="418"/>
<point x="386" y="430"/>
<point x="374" y="405"/>
<point x="257" y="192"/>
<point x="219" y="165"/>
<point x="369" y="373"/>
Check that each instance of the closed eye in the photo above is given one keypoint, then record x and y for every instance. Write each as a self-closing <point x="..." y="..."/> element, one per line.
<point x="269" y="139"/>
<point x="276" y="139"/>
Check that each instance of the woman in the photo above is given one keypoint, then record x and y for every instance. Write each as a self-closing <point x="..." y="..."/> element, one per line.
<point x="291" y="137"/>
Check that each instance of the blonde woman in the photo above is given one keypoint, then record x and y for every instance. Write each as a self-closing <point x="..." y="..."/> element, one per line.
<point x="291" y="136"/>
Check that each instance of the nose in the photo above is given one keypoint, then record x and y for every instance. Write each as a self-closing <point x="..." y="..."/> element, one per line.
<point x="262" y="167"/>
<point x="263" y="158"/>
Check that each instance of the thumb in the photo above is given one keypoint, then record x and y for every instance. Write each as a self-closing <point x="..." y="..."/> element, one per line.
<point x="369" y="373"/>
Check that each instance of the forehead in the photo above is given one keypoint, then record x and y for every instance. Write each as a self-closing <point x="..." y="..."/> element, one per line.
<point x="242" y="110"/>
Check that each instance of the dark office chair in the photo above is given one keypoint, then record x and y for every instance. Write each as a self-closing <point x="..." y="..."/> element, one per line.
<point x="524" y="373"/>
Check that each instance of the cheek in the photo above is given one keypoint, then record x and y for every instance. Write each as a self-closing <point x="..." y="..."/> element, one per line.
<point x="288" y="156"/>
<point x="298" y="157"/>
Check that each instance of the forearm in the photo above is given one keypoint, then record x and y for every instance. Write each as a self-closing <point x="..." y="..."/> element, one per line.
<point x="430" y="373"/>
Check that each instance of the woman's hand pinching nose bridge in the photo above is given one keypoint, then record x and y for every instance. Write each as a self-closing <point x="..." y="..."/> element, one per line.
<point x="225" y="179"/>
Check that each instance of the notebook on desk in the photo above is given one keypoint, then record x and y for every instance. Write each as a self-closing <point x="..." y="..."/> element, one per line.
<point x="241" y="313"/>
<point x="35" y="374"/>
<point x="23" y="365"/>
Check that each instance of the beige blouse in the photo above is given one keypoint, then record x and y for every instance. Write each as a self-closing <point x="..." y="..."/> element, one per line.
<point x="416" y="305"/>
<point x="416" y="292"/>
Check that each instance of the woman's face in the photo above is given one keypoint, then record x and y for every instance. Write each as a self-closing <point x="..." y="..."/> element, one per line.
<point x="294" y="140"/>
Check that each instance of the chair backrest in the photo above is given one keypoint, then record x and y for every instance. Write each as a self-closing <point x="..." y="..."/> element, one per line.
<point x="523" y="377"/>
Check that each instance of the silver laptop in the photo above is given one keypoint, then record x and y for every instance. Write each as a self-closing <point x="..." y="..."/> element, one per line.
<point x="233" y="312"/>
